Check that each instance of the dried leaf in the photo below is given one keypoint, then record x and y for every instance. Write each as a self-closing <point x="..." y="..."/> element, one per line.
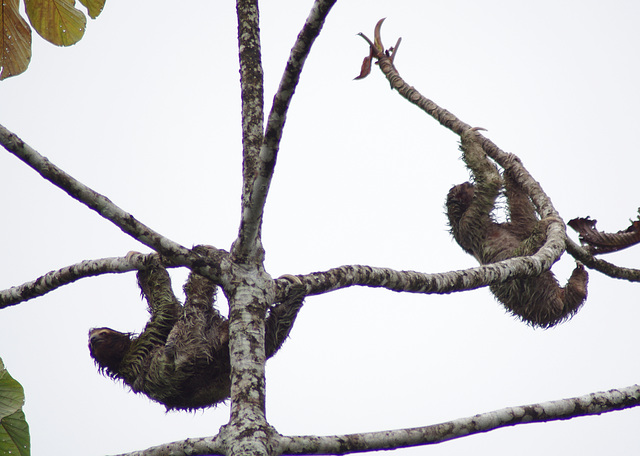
<point x="366" y="67"/>
<point x="599" y="242"/>
<point x="15" y="40"/>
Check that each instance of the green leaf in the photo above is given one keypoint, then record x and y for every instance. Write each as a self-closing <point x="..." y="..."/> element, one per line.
<point x="94" y="7"/>
<point x="57" y="21"/>
<point x="11" y="393"/>
<point x="15" y="40"/>
<point x="14" y="435"/>
<point x="14" y="430"/>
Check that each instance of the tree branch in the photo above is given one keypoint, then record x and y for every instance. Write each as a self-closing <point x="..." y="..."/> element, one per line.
<point x="288" y="84"/>
<point x="93" y="200"/>
<point x="608" y="269"/>
<point x="507" y="161"/>
<point x="208" y="263"/>
<point x="556" y="236"/>
<point x="200" y="446"/>
<point x="564" y="409"/>
<point x="69" y="274"/>
<point x="419" y="282"/>
<point x="590" y="404"/>
<point x="247" y="245"/>
<point x="258" y="170"/>
<point x="453" y="123"/>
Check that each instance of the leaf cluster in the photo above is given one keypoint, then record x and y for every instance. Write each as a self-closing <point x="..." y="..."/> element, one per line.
<point x="57" y="21"/>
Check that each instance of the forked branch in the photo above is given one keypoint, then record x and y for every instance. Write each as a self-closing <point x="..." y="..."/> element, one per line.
<point x="259" y="167"/>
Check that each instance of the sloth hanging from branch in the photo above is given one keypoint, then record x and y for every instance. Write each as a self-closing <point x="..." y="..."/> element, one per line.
<point x="539" y="301"/>
<point x="181" y="358"/>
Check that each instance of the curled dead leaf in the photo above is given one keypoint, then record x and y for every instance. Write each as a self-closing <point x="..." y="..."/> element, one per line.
<point x="599" y="242"/>
<point x="366" y="67"/>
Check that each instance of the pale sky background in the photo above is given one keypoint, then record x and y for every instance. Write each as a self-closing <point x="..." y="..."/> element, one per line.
<point x="146" y="110"/>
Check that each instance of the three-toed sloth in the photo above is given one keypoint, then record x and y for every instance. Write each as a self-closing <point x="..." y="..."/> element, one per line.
<point x="181" y="358"/>
<point x="539" y="301"/>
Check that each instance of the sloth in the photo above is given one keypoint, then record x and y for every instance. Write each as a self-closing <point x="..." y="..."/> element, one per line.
<point x="539" y="301"/>
<point x="181" y="358"/>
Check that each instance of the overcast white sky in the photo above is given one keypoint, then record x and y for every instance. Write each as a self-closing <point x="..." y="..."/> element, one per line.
<point x="145" y="109"/>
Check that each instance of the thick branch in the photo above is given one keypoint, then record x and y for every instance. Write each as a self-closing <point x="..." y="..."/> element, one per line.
<point x="247" y="246"/>
<point x="204" y="445"/>
<point x="590" y="404"/>
<point x="419" y="282"/>
<point x="99" y="203"/>
<point x="248" y="432"/>
<point x="564" y="409"/>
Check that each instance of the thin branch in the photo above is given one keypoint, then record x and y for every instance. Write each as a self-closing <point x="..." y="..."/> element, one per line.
<point x="69" y="274"/>
<point x="453" y="123"/>
<point x="288" y="84"/>
<point x="92" y="199"/>
<point x="506" y="160"/>
<point x="590" y="404"/>
<point x="208" y="263"/>
<point x="608" y="269"/>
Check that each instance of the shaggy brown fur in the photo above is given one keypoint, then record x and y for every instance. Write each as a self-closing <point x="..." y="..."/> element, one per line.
<point x="539" y="301"/>
<point x="181" y="359"/>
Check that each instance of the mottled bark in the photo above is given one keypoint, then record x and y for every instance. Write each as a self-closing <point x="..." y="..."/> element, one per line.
<point x="563" y="409"/>
<point x="590" y="404"/>
<point x="92" y="199"/>
<point x="248" y="246"/>
<point x="260" y="151"/>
